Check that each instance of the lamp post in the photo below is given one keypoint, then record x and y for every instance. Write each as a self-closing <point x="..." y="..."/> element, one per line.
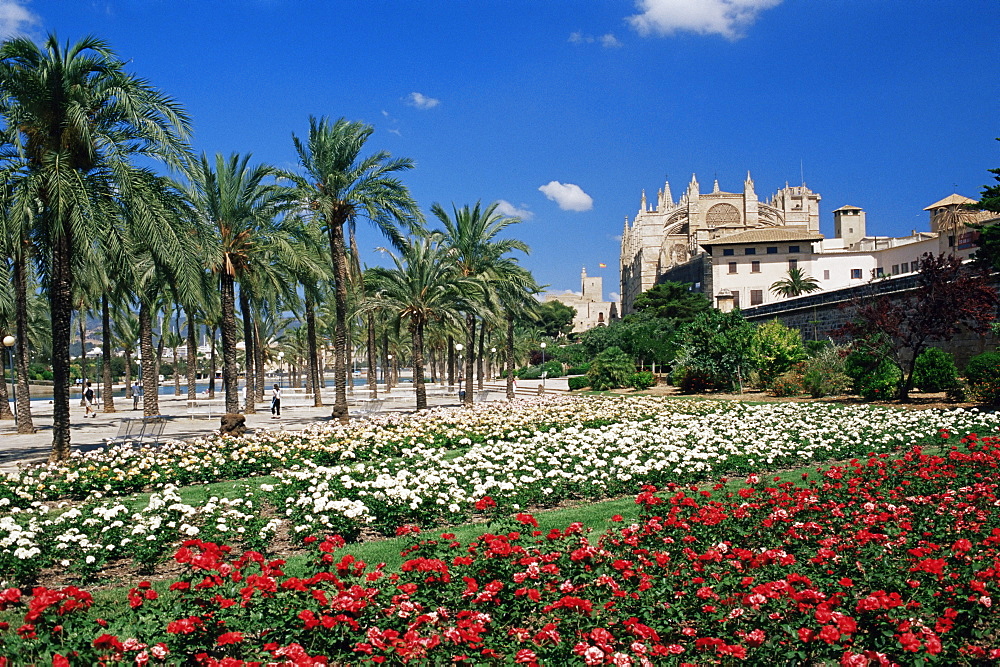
<point x="461" y="372"/>
<point x="543" y="366"/>
<point x="281" y="356"/>
<point x="493" y="362"/>
<point x="388" y="373"/>
<point x="8" y="342"/>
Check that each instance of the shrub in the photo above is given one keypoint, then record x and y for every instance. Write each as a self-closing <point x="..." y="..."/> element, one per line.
<point x="983" y="376"/>
<point x="553" y="368"/>
<point x="693" y="380"/>
<point x="529" y="373"/>
<point x="934" y="370"/>
<point x="578" y="382"/>
<point x="874" y="376"/>
<point x="642" y="380"/>
<point x="578" y="370"/>
<point x="611" y="369"/>
<point x="774" y="349"/>
<point x="788" y="383"/>
<point x="823" y="373"/>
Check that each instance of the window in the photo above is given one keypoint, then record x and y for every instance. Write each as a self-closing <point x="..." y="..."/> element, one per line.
<point x="755" y="266"/>
<point x="756" y="297"/>
<point x="793" y="248"/>
<point x="772" y="250"/>
<point x="895" y="269"/>
<point x="750" y="251"/>
<point x="855" y="274"/>
<point x="826" y="274"/>
<point x="728" y="252"/>
<point x="914" y="266"/>
<point x="732" y="267"/>
<point x="850" y="230"/>
<point x="736" y="298"/>
<point x="793" y="264"/>
<point x="879" y="272"/>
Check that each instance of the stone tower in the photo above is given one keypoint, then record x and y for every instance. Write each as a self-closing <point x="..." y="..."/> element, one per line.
<point x="849" y="224"/>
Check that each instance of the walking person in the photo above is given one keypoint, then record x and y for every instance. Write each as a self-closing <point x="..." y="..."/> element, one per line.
<point x="276" y="402"/>
<point x="136" y="394"/>
<point x="88" y="402"/>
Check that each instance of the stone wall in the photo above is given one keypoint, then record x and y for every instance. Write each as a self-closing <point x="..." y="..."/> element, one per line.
<point x="817" y="316"/>
<point x="697" y="272"/>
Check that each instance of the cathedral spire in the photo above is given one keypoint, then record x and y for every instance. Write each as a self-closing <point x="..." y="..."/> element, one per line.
<point x="667" y="197"/>
<point x="748" y="184"/>
<point x="693" y="185"/>
<point x="642" y="206"/>
<point x="715" y="187"/>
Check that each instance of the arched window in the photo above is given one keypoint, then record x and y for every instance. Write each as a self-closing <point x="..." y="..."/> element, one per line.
<point x="722" y="215"/>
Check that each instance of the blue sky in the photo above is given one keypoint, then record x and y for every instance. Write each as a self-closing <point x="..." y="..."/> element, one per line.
<point x="566" y="111"/>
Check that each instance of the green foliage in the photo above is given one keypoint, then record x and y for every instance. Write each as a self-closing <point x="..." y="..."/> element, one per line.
<point x="642" y="380"/>
<point x="788" y="383"/>
<point x="715" y="351"/>
<point x="529" y="373"/>
<point x="578" y="370"/>
<point x="934" y="370"/>
<point x="579" y="382"/>
<point x="692" y="380"/>
<point x="823" y="373"/>
<point x="775" y="348"/>
<point x="611" y="369"/>
<point x="573" y="355"/>
<point x="983" y="376"/>
<point x="672" y="301"/>
<point x="874" y="375"/>
<point x="644" y="337"/>
<point x="552" y="368"/>
<point x="555" y="319"/>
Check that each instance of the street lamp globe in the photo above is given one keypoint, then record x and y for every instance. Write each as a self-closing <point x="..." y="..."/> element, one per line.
<point x="8" y="341"/>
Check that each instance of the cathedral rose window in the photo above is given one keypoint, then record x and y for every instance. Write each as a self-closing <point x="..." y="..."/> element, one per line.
<point x="722" y="215"/>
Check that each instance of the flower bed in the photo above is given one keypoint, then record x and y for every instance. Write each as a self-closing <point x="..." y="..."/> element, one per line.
<point x="520" y="467"/>
<point x="878" y="561"/>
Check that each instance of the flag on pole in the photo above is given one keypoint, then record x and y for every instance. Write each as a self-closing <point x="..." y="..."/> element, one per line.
<point x="602" y="266"/>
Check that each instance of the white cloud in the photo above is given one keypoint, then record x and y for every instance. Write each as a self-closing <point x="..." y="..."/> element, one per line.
<point x="614" y="296"/>
<point x="608" y="41"/>
<point x="570" y="197"/>
<point x="706" y="17"/>
<point x="421" y="101"/>
<point x="504" y="207"/>
<point x="15" y="19"/>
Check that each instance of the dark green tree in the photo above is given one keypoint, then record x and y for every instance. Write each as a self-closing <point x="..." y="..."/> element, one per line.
<point x="555" y="319"/>
<point x="673" y="301"/>
<point x="717" y="347"/>
<point x="988" y="253"/>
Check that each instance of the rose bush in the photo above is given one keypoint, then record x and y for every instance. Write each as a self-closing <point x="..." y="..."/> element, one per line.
<point x="878" y="561"/>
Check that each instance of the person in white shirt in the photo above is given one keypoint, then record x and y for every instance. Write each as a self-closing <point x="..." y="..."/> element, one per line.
<point x="276" y="402"/>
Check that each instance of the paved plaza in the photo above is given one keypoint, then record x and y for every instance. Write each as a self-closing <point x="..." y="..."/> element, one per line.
<point x="92" y="433"/>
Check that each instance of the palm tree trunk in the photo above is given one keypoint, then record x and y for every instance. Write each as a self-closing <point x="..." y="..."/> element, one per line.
<point x="251" y="383"/>
<point x="372" y="352"/>
<point x="61" y="308"/>
<point x="480" y="354"/>
<point x="192" y="358"/>
<point x="258" y="356"/>
<point x="150" y="375"/>
<point x="417" y="332"/>
<point x="22" y="395"/>
<point x="314" y="374"/>
<point x="349" y="361"/>
<point x="7" y="365"/>
<point x="386" y="379"/>
<point x="470" y="356"/>
<point x="338" y="252"/>
<point x="82" y="321"/>
<point x="510" y="356"/>
<point x="451" y="362"/>
<point x="128" y="374"/>
<point x="109" y="389"/>
<point x="211" y="363"/>
<point x="230" y="371"/>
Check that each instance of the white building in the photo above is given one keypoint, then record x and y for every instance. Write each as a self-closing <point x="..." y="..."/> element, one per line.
<point x="591" y="308"/>
<point x="729" y="245"/>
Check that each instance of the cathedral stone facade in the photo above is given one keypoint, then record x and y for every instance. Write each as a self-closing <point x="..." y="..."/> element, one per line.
<point x="669" y="234"/>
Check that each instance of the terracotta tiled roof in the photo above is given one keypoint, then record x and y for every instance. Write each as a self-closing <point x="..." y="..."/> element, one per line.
<point x="848" y="208"/>
<point x="766" y="235"/>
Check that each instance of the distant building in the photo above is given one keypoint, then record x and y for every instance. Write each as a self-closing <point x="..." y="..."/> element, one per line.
<point x="733" y="248"/>
<point x="591" y="308"/>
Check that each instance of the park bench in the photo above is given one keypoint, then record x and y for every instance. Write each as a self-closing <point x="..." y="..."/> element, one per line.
<point x="139" y="431"/>
<point x="207" y="407"/>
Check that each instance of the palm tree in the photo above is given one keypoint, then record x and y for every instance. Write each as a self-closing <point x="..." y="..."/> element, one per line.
<point x="472" y="235"/>
<point x="421" y="288"/>
<point x="796" y="284"/>
<point x="238" y="206"/>
<point x="339" y="187"/>
<point x="78" y="118"/>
